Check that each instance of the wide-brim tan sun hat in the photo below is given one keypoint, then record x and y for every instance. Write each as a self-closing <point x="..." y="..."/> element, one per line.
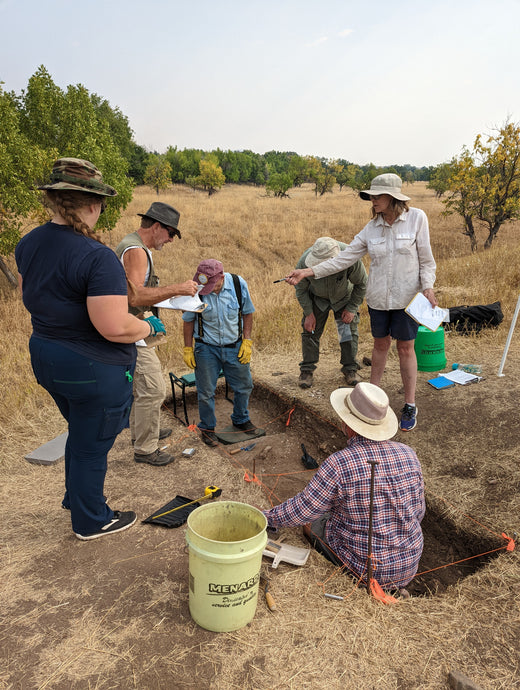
<point x="78" y="175"/>
<point x="389" y="183"/>
<point x="366" y="410"/>
<point x="324" y="248"/>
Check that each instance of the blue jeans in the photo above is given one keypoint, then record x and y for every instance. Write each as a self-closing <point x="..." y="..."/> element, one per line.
<point x="210" y="359"/>
<point x="95" y="399"/>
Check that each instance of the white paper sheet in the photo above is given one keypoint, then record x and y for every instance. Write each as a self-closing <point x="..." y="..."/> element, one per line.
<point x="184" y="302"/>
<point x="460" y="376"/>
<point x="422" y="311"/>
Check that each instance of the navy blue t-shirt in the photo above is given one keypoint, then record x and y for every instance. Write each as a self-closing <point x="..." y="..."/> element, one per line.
<point x="60" y="268"/>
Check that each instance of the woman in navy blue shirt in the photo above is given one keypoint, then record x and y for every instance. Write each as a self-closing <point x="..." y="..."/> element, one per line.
<point x="82" y="349"/>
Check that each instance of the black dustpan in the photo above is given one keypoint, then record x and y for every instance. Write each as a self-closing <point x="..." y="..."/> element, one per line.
<point x="176" y="518"/>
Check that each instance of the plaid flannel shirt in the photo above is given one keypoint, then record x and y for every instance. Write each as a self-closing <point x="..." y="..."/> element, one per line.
<point x="341" y="487"/>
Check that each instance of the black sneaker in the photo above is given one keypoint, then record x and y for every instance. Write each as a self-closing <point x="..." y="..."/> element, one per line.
<point x="158" y="458"/>
<point x="248" y="427"/>
<point x="120" y="521"/>
<point x="209" y="437"/>
<point x="305" y="379"/>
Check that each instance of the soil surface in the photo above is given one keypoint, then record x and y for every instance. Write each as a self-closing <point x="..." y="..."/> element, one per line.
<point x="113" y="612"/>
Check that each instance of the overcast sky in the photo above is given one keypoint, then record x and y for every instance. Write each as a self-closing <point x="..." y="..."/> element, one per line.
<point x="402" y="81"/>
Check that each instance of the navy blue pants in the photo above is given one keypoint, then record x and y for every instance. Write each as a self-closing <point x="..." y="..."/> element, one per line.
<point x="95" y="399"/>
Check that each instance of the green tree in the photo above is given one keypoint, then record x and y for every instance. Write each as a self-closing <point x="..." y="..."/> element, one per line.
<point x="439" y="179"/>
<point x="460" y="176"/>
<point x="44" y="123"/>
<point x="23" y="165"/>
<point x="210" y="178"/>
<point x="349" y="176"/>
<point x="323" y="174"/>
<point x="137" y="163"/>
<point x="279" y="184"/>
<point x="297" y="170"/>
<point x="158" y="173"/>
<point x="499" y="179"/>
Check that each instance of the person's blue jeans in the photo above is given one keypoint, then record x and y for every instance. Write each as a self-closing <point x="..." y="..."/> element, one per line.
<point x="95" y="399"/>
<point x="210" y="360"/>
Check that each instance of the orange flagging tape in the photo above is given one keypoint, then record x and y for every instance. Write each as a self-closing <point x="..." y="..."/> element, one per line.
<point x="510" y="542"/>
<point x="192" y="427"/>
<point x="247" y="478"/>
<point x="379" y="594"/>
<point x="289" y="417"/>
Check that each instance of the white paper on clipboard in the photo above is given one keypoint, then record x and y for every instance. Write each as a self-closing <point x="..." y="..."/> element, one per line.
<point x="422" y="311"/>
<point x="184" y="302"/>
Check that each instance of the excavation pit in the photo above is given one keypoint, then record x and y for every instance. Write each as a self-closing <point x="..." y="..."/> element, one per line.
<point x="451" y="549"/>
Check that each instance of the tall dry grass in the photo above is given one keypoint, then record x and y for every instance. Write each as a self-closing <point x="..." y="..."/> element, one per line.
<point x="262" y="238"/>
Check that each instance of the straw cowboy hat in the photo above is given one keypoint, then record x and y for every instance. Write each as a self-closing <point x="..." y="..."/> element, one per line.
<point x="366" y="410"/>
<point x="324" y="248"/>
<point x="78" y="175"/>
<point x="389" y="183"/>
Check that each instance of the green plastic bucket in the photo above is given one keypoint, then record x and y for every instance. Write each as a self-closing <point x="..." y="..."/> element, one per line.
<point x="429" y="349"/>
<point x="226" y="541"/>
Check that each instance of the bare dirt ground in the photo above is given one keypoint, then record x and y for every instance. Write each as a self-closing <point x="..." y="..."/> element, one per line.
<point x="113" y="613"/>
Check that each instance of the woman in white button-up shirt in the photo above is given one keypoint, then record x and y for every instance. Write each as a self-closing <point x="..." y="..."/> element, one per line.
<point x="397" y="240"/>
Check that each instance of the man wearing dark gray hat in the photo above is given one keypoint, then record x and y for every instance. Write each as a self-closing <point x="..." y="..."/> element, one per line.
<point x="159" y="226"/>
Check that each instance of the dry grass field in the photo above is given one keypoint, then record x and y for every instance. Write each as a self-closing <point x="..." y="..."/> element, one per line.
<point x="114" y="613"/>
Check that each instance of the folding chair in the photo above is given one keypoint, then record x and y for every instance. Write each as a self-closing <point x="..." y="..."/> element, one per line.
<point x="183" y="382"/>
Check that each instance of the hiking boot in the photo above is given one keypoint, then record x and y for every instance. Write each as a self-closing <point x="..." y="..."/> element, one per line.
<point x="408" y="418"/>
<point x="247" y="427"/>
<point x="120" y="521"/>
<point x="305" y="379"/>
<point x="209" y="437"/>
<point x="163" y="433"/>
<point x="351" y="378"/>
<point x="157" y="458"/>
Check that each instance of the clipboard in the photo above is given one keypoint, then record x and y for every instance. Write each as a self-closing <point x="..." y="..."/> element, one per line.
<point x="423" y="313"/>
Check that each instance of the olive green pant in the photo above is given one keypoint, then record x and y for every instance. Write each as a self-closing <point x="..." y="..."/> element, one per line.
<point x="149" y="394"/>
<point x="311" y="344"/>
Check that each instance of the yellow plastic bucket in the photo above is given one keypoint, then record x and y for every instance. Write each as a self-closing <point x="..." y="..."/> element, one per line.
<point x="226" y="541"/>
<point x="429" y="349"/>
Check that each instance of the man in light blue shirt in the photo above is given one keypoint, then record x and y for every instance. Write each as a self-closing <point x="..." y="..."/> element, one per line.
<point x="222" y="334"/>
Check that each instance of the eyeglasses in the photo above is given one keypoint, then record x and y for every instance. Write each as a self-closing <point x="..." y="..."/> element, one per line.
<point x="103" y="207"/>
<point x="172" y="232"/>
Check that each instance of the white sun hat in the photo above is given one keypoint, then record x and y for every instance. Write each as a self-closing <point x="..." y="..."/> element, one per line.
<point x="324" y="248"/>
<point x="389" y="183"/>
<point x="366" y="410"/>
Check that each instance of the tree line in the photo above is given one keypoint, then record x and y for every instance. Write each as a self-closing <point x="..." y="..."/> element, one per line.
<point x="45" y="122"/>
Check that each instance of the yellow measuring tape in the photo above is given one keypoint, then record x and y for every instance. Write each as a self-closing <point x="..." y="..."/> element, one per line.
<point x="209" y="492"/>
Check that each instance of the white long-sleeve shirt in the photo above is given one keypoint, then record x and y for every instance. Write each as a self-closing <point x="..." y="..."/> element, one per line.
<point x="401" y="259"/>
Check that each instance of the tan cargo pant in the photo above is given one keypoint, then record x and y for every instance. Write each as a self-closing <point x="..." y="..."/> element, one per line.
<point x="149" y="393"/>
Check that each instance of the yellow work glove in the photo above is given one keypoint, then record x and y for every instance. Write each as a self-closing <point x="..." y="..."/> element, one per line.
<point x="244" y="354"/>
<point x="189" y="357"/>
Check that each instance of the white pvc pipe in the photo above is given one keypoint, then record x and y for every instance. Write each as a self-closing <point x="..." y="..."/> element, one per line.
<point x="509" y="337"/>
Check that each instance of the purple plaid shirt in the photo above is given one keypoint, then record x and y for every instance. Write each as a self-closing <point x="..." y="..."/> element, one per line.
<point x="341" y="487"/>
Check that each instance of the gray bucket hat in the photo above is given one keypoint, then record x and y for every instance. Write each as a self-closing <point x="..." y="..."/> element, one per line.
<point x="78" y="175"/>
<point x="389" y="183"/>
<point x="324" y="248"/>
<point x="163" y="214"/>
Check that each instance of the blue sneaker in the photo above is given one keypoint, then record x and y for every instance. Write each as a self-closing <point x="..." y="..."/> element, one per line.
<point x="408" y="418"/>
